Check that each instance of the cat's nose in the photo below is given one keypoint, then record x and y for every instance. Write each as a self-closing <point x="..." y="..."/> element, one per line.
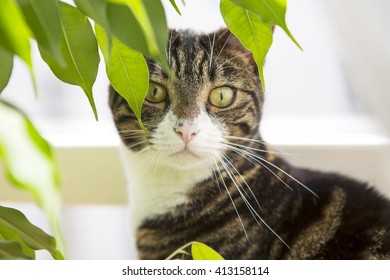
<point x="186" y="129"/>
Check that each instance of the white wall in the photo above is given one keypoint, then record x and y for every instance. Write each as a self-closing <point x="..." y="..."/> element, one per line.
<point x="363" y="29"/>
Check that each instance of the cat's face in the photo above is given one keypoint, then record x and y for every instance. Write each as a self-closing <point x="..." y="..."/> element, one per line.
<point x="215" y="98"/>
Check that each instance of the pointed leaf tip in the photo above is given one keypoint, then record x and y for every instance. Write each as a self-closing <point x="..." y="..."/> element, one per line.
<point x="201" y="251"/>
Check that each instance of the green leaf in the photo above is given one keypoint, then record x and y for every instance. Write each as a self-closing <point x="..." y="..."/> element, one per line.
<point x="6" y="59"/>
<point x="8" y="235"/>
<point x="126" y="28"/>
<point x="11" y="250"/>
<point x="79" y="50"/>
<point x="43" y="18"/>
<point x="29" y="162"/>
<point x="175" y="6"/>
<point x="96" y="10"/>
<point x="142" y="27"/>
<point x="127" y="71"/>
<point x="14" y="33"/>
<point x="33" y="236"/>
<point x="252" y="32"/>
<point x="272" y="12"/>
<point x="201" y="251"/>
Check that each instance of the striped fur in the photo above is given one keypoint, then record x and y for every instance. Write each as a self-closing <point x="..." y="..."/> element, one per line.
<point x="235" y="194"/>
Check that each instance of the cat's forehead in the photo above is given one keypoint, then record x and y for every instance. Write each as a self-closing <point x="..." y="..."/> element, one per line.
<point x="200" y="58"/>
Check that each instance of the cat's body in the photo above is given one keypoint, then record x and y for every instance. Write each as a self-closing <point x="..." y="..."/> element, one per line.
<point x="202" y="172"/>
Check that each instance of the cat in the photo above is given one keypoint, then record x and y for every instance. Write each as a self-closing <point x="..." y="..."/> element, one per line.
<point x="201" y="171"/>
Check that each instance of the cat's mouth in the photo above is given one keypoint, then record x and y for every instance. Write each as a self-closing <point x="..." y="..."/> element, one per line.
<point x="185" y="154"/>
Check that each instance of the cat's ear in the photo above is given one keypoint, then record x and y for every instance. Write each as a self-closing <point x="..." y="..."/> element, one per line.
<point x="228" y="41"/>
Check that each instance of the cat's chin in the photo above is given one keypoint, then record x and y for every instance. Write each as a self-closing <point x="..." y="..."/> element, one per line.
<point x="186" y="160"/>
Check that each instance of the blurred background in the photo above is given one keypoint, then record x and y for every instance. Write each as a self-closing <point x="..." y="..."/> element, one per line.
<point x="328" y="106"/>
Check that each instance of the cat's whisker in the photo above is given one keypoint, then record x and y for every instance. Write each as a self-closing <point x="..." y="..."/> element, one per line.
<point x="149" y="162"/>
<point x="246" y="139"/>
<point x="138" y="143"/>
<point x="214" y="177"/>
<point x="156" y="164"/>
<point x="252" y="210"/>
<point x="262" y="160"/>
<point x="170" y="46"/>
<point x="228" y="160"/>
<point x="246" y="70"/>
<point x="224" y="45"/>
<point x="231" y="198"/>
<point x="211" y="52"/>
<point x="260" y="142"/>
<point x="220" y="67"/>
<point x="204" y="50"/>
<point x="288" y="175"/>
<point x="251" y="157"/>
<point x="134" y="133"/>
<point x="254" y="149"/>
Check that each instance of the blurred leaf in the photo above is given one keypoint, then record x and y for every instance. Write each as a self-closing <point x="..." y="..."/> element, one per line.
<point x="8" y="235"/>
<point x="126" y="28"/>
<point x="127" y="71"/>
<point x="29" y="162"/>
<point x="11" y="250"/>
<point x="146" y="31"/>
<point x="272" y="12"/>
<point x="175" y="6"/>
<point x="43" y="18"/>
<point x="254" y="35"/>
<point x="79" y="50"/>
<point x="6" y="59"/>
<point x="14" y="33"/>
<point x="96" y="10"/>
<point x="201" y="251"/>
<point x="33" y="236"/>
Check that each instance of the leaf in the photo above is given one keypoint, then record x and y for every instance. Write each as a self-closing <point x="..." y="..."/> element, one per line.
<point x="29" y="162"/>
<point x="11" y="250"/>
<point x="201" y="251"/>
<point x="96" y="10"/>
<point x="252" y="32"/>
<point x="127" y="71"/>
<point x="142" y="27"/>
<point x="175" y="6"/>
<point x="43" y="18"/>
<point x="272" y="12"/>
<point x="14" y="33"/>
<point x="8" y="235"/>
<point x="79" y="50"/>
<point x="33" y="236"/>
<point x="6" y="59"/>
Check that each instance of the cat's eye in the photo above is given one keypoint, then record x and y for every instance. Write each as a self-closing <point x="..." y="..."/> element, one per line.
<point x="222" y="96"/>
<point x="156" y="93"/>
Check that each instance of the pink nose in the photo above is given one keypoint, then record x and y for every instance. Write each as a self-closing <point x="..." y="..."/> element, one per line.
<point x="186" y="129"/>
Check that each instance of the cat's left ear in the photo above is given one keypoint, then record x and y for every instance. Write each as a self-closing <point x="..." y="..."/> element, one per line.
<point x="228" y="41"/>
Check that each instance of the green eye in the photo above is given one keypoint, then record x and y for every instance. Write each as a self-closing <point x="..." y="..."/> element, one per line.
<point x="156" y="93"/>
<point x="222" y="97"/>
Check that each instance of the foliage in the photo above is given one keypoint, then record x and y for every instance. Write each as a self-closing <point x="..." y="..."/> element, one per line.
<point x="20" y="239"/>
<point x="125" y="31"/>
<point x="198" y="252"/>
<point x="68" y="44"/>
<point x="254" y="33"/>
<point x="29" y="164"/>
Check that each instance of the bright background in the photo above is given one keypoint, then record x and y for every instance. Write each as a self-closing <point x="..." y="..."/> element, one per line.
<point x="328" y="106"/>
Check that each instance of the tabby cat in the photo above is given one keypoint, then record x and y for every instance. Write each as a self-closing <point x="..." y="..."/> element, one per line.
<point x="202" y="172"/>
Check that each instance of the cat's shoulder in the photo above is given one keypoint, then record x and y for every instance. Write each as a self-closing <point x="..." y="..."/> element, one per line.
<point x="361" y="200"/>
